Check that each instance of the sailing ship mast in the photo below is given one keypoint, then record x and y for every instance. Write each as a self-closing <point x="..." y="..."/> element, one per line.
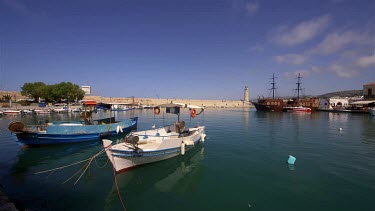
<point x="298" y="85"/>
<point x="273" y="86"/>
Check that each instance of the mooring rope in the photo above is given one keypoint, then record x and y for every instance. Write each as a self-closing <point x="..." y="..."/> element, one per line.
<point x="115" y="178"/>
<point x="72" y="164"/>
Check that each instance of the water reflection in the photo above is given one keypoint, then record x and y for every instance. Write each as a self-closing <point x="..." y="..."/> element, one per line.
<point x="181" y="173"/>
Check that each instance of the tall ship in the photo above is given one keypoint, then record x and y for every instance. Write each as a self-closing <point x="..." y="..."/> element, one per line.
<point x="313" y="103"/>
<point x="270" y="104"/>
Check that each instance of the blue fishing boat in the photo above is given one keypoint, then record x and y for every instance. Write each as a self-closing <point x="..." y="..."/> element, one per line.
<point x="71" y="132"/>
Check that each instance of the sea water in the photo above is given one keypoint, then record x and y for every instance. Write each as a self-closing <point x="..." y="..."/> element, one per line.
<point x="242" y="165"/>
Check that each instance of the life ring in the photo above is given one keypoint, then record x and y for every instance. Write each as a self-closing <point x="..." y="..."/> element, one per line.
<point x="193" y="113"/>
<point x="157" y="110"/>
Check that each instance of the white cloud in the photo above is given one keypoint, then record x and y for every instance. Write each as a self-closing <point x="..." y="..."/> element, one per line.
<point x="293" y="59"/>
<point x="252" y="7"/>
<point x="294" y="74"/>
<point x="257" y="48"/>
<point x="336" y="41"/>
<point x="343" y="72"/>
<point x="300" y="33"/>
<point x="366" y="61"/>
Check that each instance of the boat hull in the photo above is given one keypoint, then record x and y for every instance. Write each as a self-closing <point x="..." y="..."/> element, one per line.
<point x="125" y="160"/>
<point x="74" y="134"/>
<point x="263" y="107"/>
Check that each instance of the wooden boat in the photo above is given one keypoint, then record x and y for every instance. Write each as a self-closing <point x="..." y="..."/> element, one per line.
<point x="270" y="104"/>
<point x="154" y="145"/>
<point x="71" y="132"/>
<point x="312" y="103"/>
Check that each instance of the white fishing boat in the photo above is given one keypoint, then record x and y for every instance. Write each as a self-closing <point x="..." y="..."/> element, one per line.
<point x="42" y="111"/>
<point x="11" y="112"/>
<point x="156" y="144"/>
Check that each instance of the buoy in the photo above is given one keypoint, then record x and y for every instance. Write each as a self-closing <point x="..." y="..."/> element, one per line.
<point x="182" y="148"/>
<point x="291" y="160"/>
<point x="340" y="129"/>
<point x="117" y="129"/>
<point x="202" y="137"/>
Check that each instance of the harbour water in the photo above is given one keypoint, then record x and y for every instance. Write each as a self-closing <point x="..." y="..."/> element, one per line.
<point x="241" y="166"/>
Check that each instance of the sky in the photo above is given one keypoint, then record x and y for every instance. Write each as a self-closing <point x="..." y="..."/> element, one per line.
<point x="193" y="49"/>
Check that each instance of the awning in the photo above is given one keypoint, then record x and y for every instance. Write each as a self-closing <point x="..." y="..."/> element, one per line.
<point x="363" y="102"/>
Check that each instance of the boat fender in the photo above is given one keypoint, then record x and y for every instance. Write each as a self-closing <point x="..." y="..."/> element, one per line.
<point x="193" y="113"/>
<point x="121" y="129"/>
<point x="105" y="134"/>
<point x="182" y="148"/>
<point x="157" y="110"/>
<point x="202" y="137"/>
<point x="118" y="129"/>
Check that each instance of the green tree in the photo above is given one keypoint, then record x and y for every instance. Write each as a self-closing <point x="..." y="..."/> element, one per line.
<point x="55" y="92"/>
<point x="34" y="90"/>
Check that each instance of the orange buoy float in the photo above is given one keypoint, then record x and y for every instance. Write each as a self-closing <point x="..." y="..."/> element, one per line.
<point x="193" y="113"/>
<point x="157" y="110"/>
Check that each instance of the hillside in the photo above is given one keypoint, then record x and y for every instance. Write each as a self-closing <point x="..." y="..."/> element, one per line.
<point x="348" y="93"/>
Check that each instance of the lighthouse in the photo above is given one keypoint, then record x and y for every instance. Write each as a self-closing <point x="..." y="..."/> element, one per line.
<point x="246" y="96"/>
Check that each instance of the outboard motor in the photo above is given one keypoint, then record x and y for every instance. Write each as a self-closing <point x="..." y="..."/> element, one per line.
<point x="133" y="140"/>
<point x="180" y="127"/>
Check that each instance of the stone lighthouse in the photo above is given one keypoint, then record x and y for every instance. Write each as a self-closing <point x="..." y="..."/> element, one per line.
<point x="246" y="96"/>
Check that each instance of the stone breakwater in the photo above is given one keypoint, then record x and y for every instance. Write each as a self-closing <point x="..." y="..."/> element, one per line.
<point x="154" y="101"/>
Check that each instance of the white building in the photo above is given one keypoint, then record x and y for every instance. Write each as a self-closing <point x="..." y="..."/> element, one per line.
<point x="86" y="89"/>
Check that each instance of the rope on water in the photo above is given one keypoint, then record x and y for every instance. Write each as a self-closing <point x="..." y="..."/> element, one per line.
<point x="115" y="178"/>
<point x="85" y="167"/>
<point x="97" y="165"/>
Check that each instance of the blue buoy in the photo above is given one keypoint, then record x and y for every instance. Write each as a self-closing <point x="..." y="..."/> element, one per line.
<point x="291" y="160"/>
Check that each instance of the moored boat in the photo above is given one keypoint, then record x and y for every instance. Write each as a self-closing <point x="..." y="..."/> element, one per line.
<point x="154" y="145"/>
<point x="270" y="104"/>
<point x="71" y="132"/>
<point x="11" y="112"/>
<point x="312" y="103"/>
<point x="299" y="109"/>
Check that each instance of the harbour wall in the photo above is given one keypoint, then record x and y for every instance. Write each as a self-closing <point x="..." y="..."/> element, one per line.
<point x="154" y="101"/>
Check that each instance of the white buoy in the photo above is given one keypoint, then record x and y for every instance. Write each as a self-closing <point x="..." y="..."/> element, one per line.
<point x="340" y="129"/>
<point x="182" y="148"/>
<point x="202" y="137"/>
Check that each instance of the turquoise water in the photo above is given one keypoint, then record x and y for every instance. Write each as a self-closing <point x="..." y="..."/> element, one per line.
<point x="241" y="166"/>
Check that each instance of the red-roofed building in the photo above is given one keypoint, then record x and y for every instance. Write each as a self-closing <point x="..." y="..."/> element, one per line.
<point x="369" y="91"/>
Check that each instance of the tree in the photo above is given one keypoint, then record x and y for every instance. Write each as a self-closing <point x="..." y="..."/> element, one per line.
<point x="53" y="93"/>
<point x="33" y="90"/>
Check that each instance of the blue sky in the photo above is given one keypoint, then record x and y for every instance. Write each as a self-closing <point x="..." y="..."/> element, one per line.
<point x="192" y="49"/>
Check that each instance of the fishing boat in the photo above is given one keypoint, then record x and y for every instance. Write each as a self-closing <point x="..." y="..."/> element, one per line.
<point x="11" y="112"/>
<point x="71" y="132"/>
<point x="154" y="145"/>
<point x="299" y="109"/>
<point x="42" y="111"/>
<point x="270" y="104"/>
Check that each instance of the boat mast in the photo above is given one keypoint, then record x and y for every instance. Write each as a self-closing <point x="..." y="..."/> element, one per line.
<point x="298" y="84"/>
<point x="273" y="86"/>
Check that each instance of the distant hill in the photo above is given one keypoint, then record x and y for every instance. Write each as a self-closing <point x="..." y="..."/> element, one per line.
<point x="348" y="93"/>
